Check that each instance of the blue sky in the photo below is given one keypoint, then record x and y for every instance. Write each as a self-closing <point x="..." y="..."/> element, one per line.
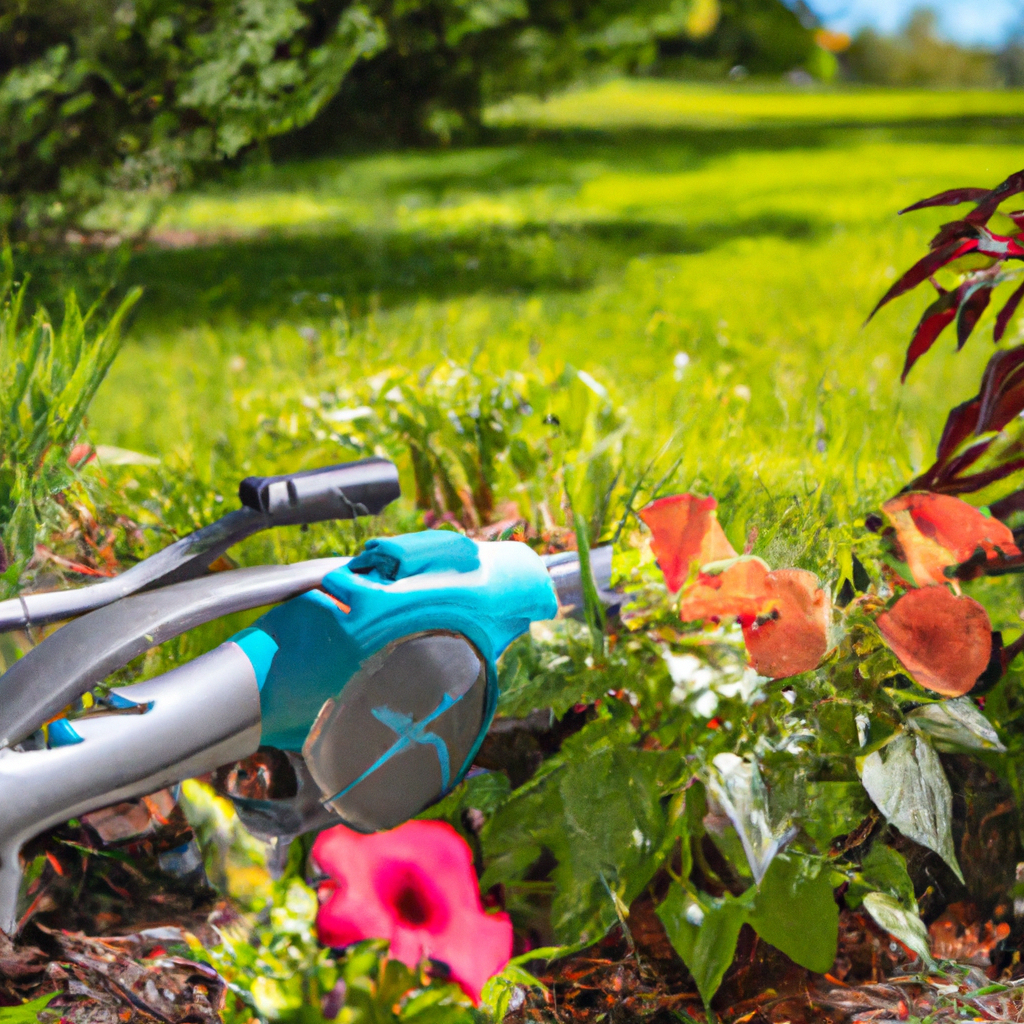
<point x="966" y="21"/>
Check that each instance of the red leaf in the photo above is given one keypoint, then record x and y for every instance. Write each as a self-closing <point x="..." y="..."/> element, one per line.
<point x="924" y="268"/>
<point x="951" y="197"/>
<point x="1006" y="313"/>
<point x="976" y="481"/>
<point x="1002" y="397"/>
<point x="933" y="322"/>
<point x="1002" y="247"/>
<point x="739" y="590"/>
<point x="988" y="205"/>
<point x="937" y="531"/>
<point x="944" y="642"/>
<point x="685" y="530"/>
<point x="791" y="633"/>
<point x="1005" y="507"/>
<point x="951" y="231"/>
<point x="960" y="424"/>
<point x="974" y="303"/>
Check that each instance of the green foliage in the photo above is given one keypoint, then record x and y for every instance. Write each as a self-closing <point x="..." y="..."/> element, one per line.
<point x="31" y="1012"/>
<point x="444" y="61"/>
<point x="794" y="910"/>
<point x="918" y="56"/>
<point x="704" y="934"/>
<point x="104" y="98"/>
<point x="766" y="37"/>
<point x="720" y="317"/>
<point x="48" y="378"/>
<point x="497" y="994"/>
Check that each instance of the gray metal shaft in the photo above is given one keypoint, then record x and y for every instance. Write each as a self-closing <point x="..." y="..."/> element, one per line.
<point x="564" y="570"/>
<point x="189" y="557"/>
<point x="84" y="652"/>
<point x="202" y="715"/>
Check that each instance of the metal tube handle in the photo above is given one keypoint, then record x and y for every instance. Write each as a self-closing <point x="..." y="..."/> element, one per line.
<point x="199" y="716"/>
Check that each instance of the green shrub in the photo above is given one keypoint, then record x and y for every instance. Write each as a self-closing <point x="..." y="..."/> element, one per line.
<point x="115" y="100"/>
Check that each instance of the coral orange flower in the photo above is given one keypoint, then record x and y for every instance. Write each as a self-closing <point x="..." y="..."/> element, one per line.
<point x="685" y="531"/>
<point x="790" y="635"/>
<point x="936" y="531"/>
<point x="414" y="886"/>
<point x="738" y="590"/>
<point x="943" y="641"/>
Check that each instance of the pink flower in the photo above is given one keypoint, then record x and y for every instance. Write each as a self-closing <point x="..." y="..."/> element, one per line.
<point x="416" y="887"/>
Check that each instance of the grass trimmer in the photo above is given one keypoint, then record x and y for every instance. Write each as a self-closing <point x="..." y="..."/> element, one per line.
<point x="372" y="680"/>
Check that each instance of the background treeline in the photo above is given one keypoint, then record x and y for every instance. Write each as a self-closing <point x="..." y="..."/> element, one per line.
<point x="918" y="56"/>
<point x="115" y="103"/>
<point x="767" y="37"/>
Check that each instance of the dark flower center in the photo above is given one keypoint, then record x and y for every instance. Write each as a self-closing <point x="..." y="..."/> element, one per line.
<point x="413" y="899"/>
<point x="411" y="906"/>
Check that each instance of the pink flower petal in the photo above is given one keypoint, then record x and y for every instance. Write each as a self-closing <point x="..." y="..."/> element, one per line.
<point x="416" y="887"/>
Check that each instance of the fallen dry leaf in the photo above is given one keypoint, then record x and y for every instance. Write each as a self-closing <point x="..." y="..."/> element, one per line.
<point x="738" y="590"/>
<point x="685" y="531"/>
<point x="936" y="531"/>
<point x="790" y="635"/>
<point x="943" y="641"/>
<point x="955" y="935"/>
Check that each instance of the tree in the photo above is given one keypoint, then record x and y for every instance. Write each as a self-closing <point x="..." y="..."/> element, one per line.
<point x="107" y="97"/>
<point x="103" y="101"/>
<point x="766" y="37"/>
<point x="446" y="59"/>
<point x="918" y="57"/>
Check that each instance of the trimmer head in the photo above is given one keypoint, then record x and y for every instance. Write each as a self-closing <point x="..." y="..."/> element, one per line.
<point x="373" y="680"/>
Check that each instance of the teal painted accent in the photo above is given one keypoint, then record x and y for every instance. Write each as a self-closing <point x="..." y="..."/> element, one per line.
<point x="409" y="732"/>
<point x="259" y="648"/>
<point x="117" y="701"/>
<point x="61" y="734"/>
<point x="488" y="592"/>
<point x="395" y="558"/>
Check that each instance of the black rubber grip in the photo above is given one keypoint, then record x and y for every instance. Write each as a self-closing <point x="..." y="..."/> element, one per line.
<point x="352" y="489"/>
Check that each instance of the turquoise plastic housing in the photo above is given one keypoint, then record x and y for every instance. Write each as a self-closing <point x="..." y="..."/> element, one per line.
<point x="306" y="650"/>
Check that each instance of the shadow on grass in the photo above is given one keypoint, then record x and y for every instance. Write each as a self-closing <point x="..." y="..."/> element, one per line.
<point x="517" y="157"/>
<point x="288" y="275"/>
<point x="284" y="275"/>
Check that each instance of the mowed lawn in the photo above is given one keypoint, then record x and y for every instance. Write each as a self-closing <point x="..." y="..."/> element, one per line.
<point x="706" y="255"/>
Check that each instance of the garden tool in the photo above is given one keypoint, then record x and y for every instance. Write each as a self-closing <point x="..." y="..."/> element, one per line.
<point x="366" y="690"/>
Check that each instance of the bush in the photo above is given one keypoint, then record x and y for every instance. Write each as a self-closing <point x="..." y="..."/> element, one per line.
<point x="765" y="37"/>
<point x="444" y="61"/>
<point x="117" y="100"/>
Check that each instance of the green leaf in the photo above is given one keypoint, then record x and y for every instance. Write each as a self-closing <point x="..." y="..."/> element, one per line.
<point x="515" y="836"/>
<point x="613" y="832"/>
<point x="703" y="932"/>
<point x="485" y="793"/>
<point x="498" y="991"/>
<point x="883" y="869"/>
<point x="906" y="925"/>
<point x="956" y="725"/>
<point x="737" y="785"/>
<point x="27" y="1013"/>
<point x="794" y="911"/>
<point x="906" y="782"/>
<point x="547" y="668"/>
<point x="833" y="809"/>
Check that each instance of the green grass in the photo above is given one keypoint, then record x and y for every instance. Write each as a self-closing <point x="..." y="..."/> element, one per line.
<point x="629" y="103"/>
<point x="624" y="231"/>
